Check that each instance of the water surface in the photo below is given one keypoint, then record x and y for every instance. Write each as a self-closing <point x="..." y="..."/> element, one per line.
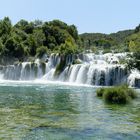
<point x="33" y="111"/>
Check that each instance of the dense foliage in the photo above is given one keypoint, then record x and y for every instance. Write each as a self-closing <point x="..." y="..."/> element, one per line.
<point x="106" y="42"/>
<point x="122" y="41"/>
<point x="29" y="39"/>
<point x="133" y="43"/>
<point x="34" y="39"/>
<point x="117" y="95"/>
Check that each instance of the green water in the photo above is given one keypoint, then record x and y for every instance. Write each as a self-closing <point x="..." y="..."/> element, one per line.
<point x="32" y="111"/>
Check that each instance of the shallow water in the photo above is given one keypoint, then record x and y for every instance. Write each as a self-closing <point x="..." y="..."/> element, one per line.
<point x="51" y="111"/>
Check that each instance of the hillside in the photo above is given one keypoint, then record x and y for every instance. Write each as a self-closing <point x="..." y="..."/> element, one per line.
<point x="33" y="39"/>
<point x="105" y="41"/>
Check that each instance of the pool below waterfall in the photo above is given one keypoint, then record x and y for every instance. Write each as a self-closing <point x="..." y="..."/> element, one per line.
<point x="54" y="111"/>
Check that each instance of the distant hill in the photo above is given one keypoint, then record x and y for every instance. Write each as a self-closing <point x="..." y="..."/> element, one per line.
<point x="105" y="40"/>
<point x="120" y="36"/>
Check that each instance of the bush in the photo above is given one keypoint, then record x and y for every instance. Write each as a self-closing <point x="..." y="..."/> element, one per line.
<point x="132" y="93"/>
<point x="100" y="92"/>
<point x="69" y="47"/>
<point x="117" y="95"/>
<point x="41" y="51"/>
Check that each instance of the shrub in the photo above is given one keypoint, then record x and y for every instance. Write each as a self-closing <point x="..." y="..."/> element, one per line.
<point x="69" y="47"/>
<point x="117" y="95"/>
<point x="100" y="92"/>
<point x="114" y="95"/>
<point x="132" y="93"/>
<point x="41" y="51"/>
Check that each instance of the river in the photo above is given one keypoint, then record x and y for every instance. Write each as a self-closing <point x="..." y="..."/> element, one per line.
<point x="56" y="111"/>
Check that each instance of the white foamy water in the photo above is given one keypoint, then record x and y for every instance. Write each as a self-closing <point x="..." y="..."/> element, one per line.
<point x="134" y="78"/>
<point x="96" y="70"/>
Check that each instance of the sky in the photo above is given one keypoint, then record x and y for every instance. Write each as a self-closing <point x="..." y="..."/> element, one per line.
<point x="105" y="16"/>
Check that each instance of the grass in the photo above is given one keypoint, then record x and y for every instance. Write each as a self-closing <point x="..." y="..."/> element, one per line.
<point x="117" y="94"/>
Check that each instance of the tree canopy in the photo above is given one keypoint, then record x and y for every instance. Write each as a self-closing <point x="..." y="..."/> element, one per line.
<point x="33" y="39"/>
<point x="25" y="39"/>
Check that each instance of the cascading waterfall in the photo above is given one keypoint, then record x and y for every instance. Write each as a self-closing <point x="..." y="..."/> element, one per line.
<point x="134" y="78"/>
<point x="91" y="69"/>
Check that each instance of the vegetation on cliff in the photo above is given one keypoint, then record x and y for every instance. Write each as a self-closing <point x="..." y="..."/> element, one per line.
<point x="30" y="39"/>
<point x="26" y="40"/>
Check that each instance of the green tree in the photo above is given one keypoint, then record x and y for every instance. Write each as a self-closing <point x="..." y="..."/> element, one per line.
<point x="25" y="26"/>
<point x="14" y="48"/>
<point x="34" y="38"/>
<point x="5" y="28"/>
<point x="1" y="47"/>
<point x="41" y="51"/>
<point x="32" y="45"/>
<point x="21" y="24"/>
<point x="69" y="47"/>
<point x="39" y="36"/>
<point x="73" y="32"/>
<point x="58" y="23"/>
<point x="132" y="46"/>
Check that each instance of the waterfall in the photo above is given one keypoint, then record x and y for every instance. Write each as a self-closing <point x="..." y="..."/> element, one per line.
<point x="134" y="78"/>
<point x="82" y="74"/>
<point x="74" y="72"/>
<point x="90" y="68"/>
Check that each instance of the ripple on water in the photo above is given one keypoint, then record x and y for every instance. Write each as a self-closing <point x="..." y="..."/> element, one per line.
<point x="38" y="112"/>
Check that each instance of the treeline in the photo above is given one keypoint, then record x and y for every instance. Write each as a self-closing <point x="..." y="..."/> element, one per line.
<point x="29" y="39"/>
<point x="34" y="39"/>
<point x="122" y="41"/>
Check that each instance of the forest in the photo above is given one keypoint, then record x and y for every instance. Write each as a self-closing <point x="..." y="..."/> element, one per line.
<point x="33" y="39"/>
<point x="26" y="40"/>
<point x="122" y="41"/>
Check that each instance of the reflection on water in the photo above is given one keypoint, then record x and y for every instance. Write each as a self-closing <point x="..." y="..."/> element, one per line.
<point x="59" y="112"/>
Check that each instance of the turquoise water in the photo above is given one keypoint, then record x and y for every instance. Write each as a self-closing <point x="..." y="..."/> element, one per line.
<point x="33" y="111"/>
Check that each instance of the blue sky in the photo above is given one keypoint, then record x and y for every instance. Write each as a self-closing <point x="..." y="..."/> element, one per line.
<point x="104" y="16"/>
